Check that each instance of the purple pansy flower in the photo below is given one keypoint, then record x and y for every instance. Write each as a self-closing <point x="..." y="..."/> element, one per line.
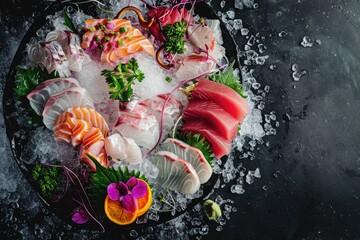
<point x="80" y="216"/>
<point x="127" y="193"/>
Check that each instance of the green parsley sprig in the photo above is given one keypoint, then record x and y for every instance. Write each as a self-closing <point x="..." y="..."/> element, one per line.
<point x="47" y="178"/>
<point x="174" y="34"/>
<point x="121" y="79"/>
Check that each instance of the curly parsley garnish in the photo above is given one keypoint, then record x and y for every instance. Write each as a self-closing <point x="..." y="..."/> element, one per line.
<point x="47" y="178"/>
<point x="174" y="33"/>
<point x="121" y="79"/>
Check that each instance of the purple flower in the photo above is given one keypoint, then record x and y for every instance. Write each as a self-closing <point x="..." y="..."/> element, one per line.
<point x="127" y="193"/>
<point x="80" y="216"/>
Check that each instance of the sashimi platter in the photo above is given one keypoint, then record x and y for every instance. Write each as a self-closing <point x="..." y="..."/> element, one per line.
<point x="118" y="115"/>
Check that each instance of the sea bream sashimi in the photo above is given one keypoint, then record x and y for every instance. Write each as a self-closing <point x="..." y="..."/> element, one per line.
<point x="219" y="145"/>
<point x="202" y="37"/>
<point x="222" y="95"/>
<point x="208" y="111"/>
<point x="46" y="89"/>
<point x="191" y="155"/>
<point x="175" y="173"/>
<point x="70" y="43"/>
<point x="115" y="38"/>
<point x="123" y="148"/>
<point x="60" y="102"/>
<point x="93" y="117"/>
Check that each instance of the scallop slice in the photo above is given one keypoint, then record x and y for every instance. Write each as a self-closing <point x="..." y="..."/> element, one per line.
<point x="190" y="154"/>
<point x="60" y="102"/>
<point x="46" y="89"/>
<point x="175" y="173"/>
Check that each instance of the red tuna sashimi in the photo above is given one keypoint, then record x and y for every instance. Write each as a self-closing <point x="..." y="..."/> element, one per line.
<point x="211" y="113"/>
<point x="219" y="145"/>
<point x="224" y="96"/>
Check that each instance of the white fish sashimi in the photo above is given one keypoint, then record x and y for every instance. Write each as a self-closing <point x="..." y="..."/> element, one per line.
<point x="146" y="139"/>
<point x="46" y="89"/>
<point x="175" y="173"/>
<point x="190" y="154"/>
<point x="122" y="148"/>
<point x="133" y="151"/>
<point x="70" y="43"/>
<point x="60" y="102"/>
<point x="51" y="56"/>
<point x="214" y="25"/>
<point x="193" y="66"/>
<point x="201" y="36"/>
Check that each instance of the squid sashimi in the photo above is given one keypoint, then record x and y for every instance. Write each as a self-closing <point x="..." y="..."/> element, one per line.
<point x="116" y="38"/>
<point x="214" y="115"/>
<point x="60" y="102"/>
<point x="175" y="173"/>
<point x="122" y="148"/>
<point x="191" y="155"/>
<point x="51" y="56"/>
<point x="93" y="143"/>
<point x="202" y="37"/>
<point x="222" y="95"/>
<point x="219" y="145"/>
<point x="71" y="130"/>
<point x="70" y="43"/>
<point x="46" y="89"/>
<point x="87" y="114"/>
<point x="140" y="125"/>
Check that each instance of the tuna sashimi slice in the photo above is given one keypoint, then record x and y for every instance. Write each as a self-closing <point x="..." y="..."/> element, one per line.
<point x="46" y="89"/>
<point x="219" y="145"/>
<point x="175" y="173"/>
<point x="191" y="155"/>
<point x="59" y="103"/>
<point x="224" y="123"/>
<point x="222" y="95"/>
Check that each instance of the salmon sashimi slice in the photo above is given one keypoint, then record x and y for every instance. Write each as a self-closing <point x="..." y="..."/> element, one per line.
<point x="222" y="95"/>
<point x="72" y="130"/>
<point x="101" y="158"/>
<point x="175" y="173"/>
<point x="214" y="115"/>
<point x="190" y="154"/>
<point x="219" y="145"/>
<point x="87" y="114"/>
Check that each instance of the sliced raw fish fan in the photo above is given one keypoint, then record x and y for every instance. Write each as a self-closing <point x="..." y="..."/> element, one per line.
<point x="208" y="111"/>
<point x="71" y="130"/>
<point x="94" y="118"/>
<point x="219" y="145"/>
<point x="190" y="154"/>
<point x="70" y="43"/>
<point x="222" y="95"/>
<point x="175" y="173"/>
<point x="51" y="56"/>
<point x="60" y="102"/>
<point x="46" y="89"/>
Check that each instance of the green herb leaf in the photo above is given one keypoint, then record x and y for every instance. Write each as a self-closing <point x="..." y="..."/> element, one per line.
<point x="174" y="34"/>
<point x="121" y="79"/>
<point x="198" y="142"/>
<point x="47" y="178"/>
<point x="68" y="22"/>
<point x="168" y="79"/>
<point x="228" y="78"/>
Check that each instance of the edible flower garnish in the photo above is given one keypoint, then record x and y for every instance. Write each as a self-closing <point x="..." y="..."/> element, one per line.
<point x="127" y="193"/>
<point x="80" y="216"/>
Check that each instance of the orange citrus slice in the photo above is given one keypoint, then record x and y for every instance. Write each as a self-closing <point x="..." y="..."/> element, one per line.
<point x="144" y="203"/>
<point x="117" y="214"/>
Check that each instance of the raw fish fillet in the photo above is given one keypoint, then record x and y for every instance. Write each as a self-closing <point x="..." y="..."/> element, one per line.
<point x="214" y="115"/>
<point x="219" y="145"/>
<point x="133" y="151"/>
<point x="60" y="102"/>
<point x="190" y="154"/>
<point x="46" y="89"/>
<point x="201" y="36"/>
<point x="214" y="25"/>
<point x="71" y="130"/>
<point x="175" y="173"/>
<point x="193" y="66"/>
<point x="94" y="118"/>
<point x="222" y="95"/>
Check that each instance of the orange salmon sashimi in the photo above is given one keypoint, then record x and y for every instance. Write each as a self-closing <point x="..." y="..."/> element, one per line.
<point x="116" y="38"/>
<point x="71" y="130"/>
<point x="89" y="115"/>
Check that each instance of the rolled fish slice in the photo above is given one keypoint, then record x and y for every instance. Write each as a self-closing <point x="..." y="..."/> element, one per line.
<point x="72" y="130"/>
<point x="175" y="173"/>
<point x="46" y="89"/>
<point x="60" y="102"/>
<point x="190" y="154"/>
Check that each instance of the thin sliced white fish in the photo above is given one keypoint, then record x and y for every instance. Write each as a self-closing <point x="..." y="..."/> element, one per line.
<point x="214" y="25"/>
<point x="175" y="173"/>
<point x="60" y="102"/>
<point x="190" y="154"/>
<point x="46" y="89"/>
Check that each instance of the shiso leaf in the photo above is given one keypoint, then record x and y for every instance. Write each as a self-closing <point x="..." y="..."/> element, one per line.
<point x="228" y="78"/>
<point x="68" y="22"/>
<point x="198" y="142"/>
